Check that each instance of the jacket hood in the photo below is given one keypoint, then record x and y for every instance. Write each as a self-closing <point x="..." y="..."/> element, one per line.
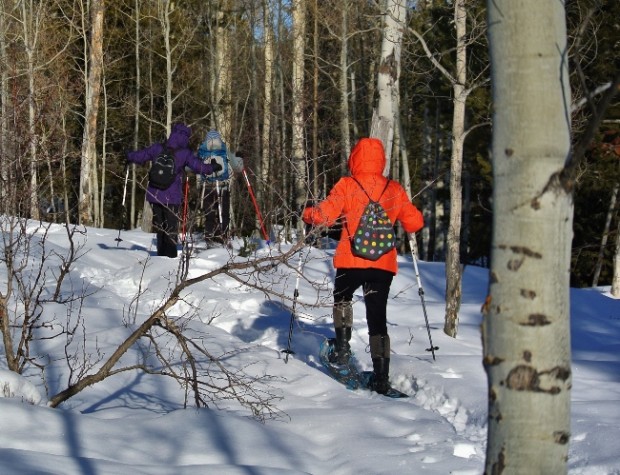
<point x="214" y="141"/>
<point x="179" y="137"/>
<point x="367" y="157"/>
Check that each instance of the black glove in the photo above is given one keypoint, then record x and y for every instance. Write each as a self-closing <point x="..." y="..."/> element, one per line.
<point x="116" y="147"/>
<point x="311" y="238"/>
<point x="216" y="167"/>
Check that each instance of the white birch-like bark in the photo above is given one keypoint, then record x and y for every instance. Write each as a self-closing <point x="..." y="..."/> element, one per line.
<point x="88" y="170"/>
<point x="282" y="136"/>
<point x="615" y="283"/>
<point x="31" y="18"/>
<point x="353" y="89"/>
<point x="104" y="156"/>
<point x="315" y="103"/>
<point x="453" y="255"/>
<point x="345" y="145"/>
<point x="525" y="331"/>
<point x="297" y="130"/>
<point x="389" y="71"/>
<point x="265" y="166"/>
<point x="136" y="117"/>
<point x="460" y="91"/>
<point x="63" y="167"/>
<point x="164" y="9"/>
<point x="222" y="79"/>
<point x="146" y="219"/>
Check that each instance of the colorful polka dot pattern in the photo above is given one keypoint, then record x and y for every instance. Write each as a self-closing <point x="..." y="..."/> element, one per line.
<point x="375" y="233"/>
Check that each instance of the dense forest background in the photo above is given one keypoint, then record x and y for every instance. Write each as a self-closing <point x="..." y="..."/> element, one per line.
<point x="83" y="81"/>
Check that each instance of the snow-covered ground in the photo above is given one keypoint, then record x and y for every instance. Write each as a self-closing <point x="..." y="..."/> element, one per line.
<point x="135" y="423"/>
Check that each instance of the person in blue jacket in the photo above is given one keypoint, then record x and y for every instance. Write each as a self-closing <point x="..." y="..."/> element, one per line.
<point x="166" y="203"/>
<point x="215" y="189"/>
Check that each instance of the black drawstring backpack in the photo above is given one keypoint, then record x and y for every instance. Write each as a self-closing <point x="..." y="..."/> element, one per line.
<point x="374" y="235"/>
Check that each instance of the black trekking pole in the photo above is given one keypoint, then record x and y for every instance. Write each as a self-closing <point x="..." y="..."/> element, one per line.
<point x="414" y="251"/>
<point x="300" y="266"/>
<point x="118" y="238"/>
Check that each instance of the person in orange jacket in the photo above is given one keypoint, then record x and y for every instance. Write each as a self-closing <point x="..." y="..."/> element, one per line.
<point x="348" y="199"/>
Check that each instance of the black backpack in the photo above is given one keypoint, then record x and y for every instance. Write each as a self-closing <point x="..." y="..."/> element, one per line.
<point x="374" y="235"/>
<point x="162" y="174"/>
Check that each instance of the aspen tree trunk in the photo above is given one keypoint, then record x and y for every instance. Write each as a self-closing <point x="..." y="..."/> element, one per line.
<point x="146" y="221"/>
<point x="256" y="118"/>
<point x="265" y="166"/>
<point x="282" y="136"/>
<point x="136" y="117"/>
<point x="453" y="255"/>
<point x="389" y="70"/>
<point x="52" y="192"/>
<point x="396" y="149"/>
<point x="223" y="69"/>
<point x="525" y="331"/>
<point x="63" y="168"/>
<point x="315" y="104"/>
<point x="31" y="18"/>
<point x="88" y="170"/>
<point x="4" y="111"/>
<point x="354" y="117"/>
<point x="460" y="94"/>
<point x="254" y="85"/>
<point x="165" y="7"/>
<point x="223" y="74"/>
<point x="615" y="283"/>
<point x="345" y="145"/>
<point x="298" y="145"/>
<point x="104" y="156"/>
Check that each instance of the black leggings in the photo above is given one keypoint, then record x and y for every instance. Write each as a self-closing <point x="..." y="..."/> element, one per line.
<point x="376" y="285"/>
<point x="166" y="224"/>
<point x="212" y="204"/>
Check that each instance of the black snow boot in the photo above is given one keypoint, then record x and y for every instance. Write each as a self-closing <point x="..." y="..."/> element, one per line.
<point x="380" y="382"/>
<point x="342" y="350"/>
<point x="380" y="354"/>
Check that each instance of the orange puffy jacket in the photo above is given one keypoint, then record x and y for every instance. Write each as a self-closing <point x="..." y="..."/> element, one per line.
<point x="366" y="163"/>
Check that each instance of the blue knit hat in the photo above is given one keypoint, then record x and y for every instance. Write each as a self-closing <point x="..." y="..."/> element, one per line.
<point x="214" y="140"/>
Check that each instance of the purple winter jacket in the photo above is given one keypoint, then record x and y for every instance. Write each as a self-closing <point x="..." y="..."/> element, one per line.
<point x="178" y="142"/>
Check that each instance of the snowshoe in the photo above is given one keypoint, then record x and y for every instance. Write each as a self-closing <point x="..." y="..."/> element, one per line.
<point x="345" y="373"/>
<point x="367" y="381"/>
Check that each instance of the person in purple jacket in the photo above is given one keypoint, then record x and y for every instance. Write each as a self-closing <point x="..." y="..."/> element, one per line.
<point x="166" y="203"/>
